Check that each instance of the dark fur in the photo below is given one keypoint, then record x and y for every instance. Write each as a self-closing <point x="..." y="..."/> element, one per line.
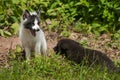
<point x="75" y="52"/>
<point x="30" y="19"/>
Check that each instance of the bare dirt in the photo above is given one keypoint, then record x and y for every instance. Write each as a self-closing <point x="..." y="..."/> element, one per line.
<point x="102" y="43"/>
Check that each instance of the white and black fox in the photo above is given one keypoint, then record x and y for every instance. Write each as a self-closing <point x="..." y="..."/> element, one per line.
<point x="31" y="35"/>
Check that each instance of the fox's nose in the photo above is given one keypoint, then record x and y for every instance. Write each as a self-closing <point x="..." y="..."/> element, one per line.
<point x="38" y="30"/>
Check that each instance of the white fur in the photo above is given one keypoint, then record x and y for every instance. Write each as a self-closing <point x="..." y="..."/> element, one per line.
<point x="36" y="26"/>
<point x="29" y="42"/>
<point x="33" y="13"/>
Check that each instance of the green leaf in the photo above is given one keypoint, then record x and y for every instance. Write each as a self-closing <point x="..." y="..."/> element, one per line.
<point x="102" y="1"/>
<point x="7" y="33"/>
<point x="18" y="49"/>
<point x="1" y="17"/>
<point x="78" y="4"/>
<point x="16" y="1"/>
<point x="1" y="32"/>
<point x="95" y="24"/>
<point x="15" y="27"/>
<point x="54" y="5"/>
<point x="13" y="18"/>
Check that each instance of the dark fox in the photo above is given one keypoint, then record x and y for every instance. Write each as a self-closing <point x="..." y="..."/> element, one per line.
<point x="75" y="52"/>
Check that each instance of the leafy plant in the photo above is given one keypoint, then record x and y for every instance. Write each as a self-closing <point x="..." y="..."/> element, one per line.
<point x="53" y="68"/>
<point x="116" y="35"/>
<point x="104" y="13"/>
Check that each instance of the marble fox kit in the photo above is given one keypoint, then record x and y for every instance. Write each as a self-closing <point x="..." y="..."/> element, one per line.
<point x="31" y="35"/>
<point x="73" y="51"/>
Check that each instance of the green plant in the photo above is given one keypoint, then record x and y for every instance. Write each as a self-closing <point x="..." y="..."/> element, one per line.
<point x="10" y="13"/>
<point x="82" y="27"/>
<point x="116" y="35"/>
<point x="51" y="68"/>
<point x="104" y="13"/>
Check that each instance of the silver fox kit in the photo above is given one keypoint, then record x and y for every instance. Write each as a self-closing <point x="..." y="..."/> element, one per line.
<point x="30" y="34"/>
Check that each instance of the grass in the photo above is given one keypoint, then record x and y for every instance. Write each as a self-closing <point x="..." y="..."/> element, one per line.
<point x="52" y="68"/>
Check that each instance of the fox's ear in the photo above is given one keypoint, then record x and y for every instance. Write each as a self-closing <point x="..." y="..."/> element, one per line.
<point x="38" y="12"/>
<point x="26" y="14"/>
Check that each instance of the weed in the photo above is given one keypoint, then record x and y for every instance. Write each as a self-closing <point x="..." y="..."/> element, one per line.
<point x="50" y="68"/>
